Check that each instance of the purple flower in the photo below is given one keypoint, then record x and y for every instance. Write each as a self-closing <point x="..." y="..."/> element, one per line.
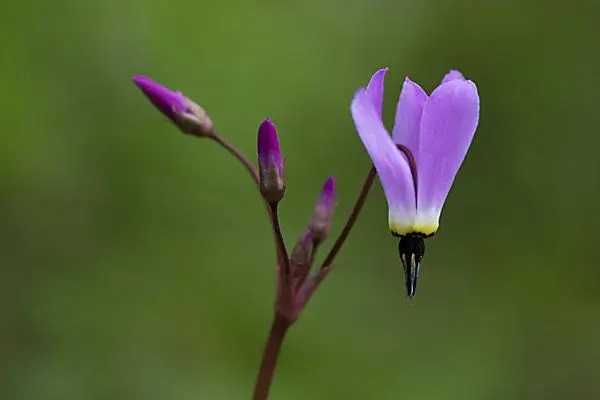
<point x="418" y="163"/>
<point x="320" y="223"/>
<point x="187" y="115"/>
<point x="270" y="163"/>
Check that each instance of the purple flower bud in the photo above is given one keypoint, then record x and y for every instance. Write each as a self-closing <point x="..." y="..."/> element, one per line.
<point x="270" y="163"/>
<point x="187" y="115"/>
<point x="301" y="259"/>
<point x="320" y="222"/>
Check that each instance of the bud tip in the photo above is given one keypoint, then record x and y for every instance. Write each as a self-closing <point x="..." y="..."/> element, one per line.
<point x="187" y="115"/>
<point x="320" y="222"/>
<point x="328" y="192"/>
<point x="268" y="144"/>
<point x="270" y="162"/>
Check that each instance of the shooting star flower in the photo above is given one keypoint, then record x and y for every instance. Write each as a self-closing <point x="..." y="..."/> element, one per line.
<point x="418" y="163"/>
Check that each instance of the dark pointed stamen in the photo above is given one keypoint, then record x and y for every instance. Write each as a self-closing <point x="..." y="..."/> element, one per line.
<point x="411" y="249"/>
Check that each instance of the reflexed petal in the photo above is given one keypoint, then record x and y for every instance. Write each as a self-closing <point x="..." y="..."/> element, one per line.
<point x="447" y="127"/>
<point x="452" y="75"/>
<point x="408" y="116"/>
<point x="375" y="90"/>
<point x="392" y="166"/>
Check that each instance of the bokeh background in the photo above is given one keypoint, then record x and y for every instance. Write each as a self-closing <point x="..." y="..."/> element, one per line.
<point x="137" y="263"/>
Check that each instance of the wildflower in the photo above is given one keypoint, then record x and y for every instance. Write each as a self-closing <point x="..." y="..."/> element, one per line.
<point x="418" y="163"/>
<point x="320" y="222"/>
<point x="270" y="163"/>
<point x="187" y="115"/>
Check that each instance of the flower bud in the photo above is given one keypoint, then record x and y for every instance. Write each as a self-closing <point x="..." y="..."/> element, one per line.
<point x="187" y="115"/>
<point x="320" y="222"/>
<point x="270" y="163"/>
<point x="300" y="259"/>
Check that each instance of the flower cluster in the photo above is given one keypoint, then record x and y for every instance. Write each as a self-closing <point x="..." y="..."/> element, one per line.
<point x="416" y="165"/>
<point x="295" y="284"/>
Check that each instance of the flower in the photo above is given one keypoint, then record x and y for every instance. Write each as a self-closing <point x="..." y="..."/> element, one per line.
<point x="187" y="115"/>
<point x="418" y="163"/>
<point x="320" y="222"/>
<point x="270" y="163"/>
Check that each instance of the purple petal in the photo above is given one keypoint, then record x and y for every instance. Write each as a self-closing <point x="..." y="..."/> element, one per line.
<point x="167" y="101"/>
<point x="271" y="174"/>
<point x="375" y="89"/>
<point x="408" y="116"/>
<point x="447" y="127"/>
<point x="268" y="145"/>
<point x="392" y="166"/>
<point x="452" y="75"/>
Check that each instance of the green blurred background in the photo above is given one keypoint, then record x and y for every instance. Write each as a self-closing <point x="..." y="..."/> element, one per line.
<point x="137" y="263"/>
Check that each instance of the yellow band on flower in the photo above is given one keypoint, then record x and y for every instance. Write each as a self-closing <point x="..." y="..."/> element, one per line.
<point x="425" y="229"/>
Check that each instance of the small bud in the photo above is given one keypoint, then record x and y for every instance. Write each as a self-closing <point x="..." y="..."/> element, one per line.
<point x="187" y="115"/>
<point x="300" y="259"/>
<point x="270" y="163"/>
<point x="320" y="222"/>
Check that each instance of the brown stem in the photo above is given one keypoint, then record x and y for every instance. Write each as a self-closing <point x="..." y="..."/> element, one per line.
<point x="310" y="285"/>
<point x="280" y="324"/>
<point x="237" y="154"/>
<point x="274" y="218"/>
<point x="279" y="328"/>
<point x="351" y="219"/>
<point x="314" y="252"/>
<point x="281" y="250"/>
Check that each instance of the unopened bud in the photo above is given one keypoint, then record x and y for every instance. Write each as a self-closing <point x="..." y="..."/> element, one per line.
<point x="270" y="163"/>
<point x="300" y="259"/>
<point x="187" y="115"/>
<point x="320" y="222"/>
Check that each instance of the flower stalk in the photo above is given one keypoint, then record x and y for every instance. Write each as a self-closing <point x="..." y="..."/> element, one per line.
<point x="295" y="284"/>
<point x="277" y="333"/>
